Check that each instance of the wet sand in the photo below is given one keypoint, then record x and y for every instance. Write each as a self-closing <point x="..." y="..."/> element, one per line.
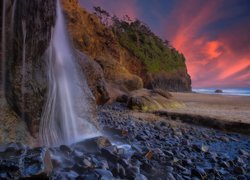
<point x="221" y="107"/>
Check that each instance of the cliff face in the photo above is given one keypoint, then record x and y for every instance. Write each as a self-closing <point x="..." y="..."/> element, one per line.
<point x="99" y="42"/>
<point x="28" y="24"/>
<point x="124" y="66"/>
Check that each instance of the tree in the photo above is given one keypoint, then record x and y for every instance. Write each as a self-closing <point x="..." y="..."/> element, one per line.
<point x="103" y="15"/>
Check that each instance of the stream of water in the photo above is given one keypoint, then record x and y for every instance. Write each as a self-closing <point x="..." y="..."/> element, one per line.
<point x="3" y="47"/>
<point x="65" y="116"/>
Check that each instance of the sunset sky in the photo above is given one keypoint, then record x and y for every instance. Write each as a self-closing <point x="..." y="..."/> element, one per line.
<point x="214" y="35"/>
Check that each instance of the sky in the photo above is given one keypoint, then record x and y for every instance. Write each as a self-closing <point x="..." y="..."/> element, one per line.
<point x="213" y="35"/>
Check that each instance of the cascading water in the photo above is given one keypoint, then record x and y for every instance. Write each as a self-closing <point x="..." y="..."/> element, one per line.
<point x="3" y="47"/>
<point x="23" y="66"/>
<point x="64" y="118"/>
<point x="13" y="14"/>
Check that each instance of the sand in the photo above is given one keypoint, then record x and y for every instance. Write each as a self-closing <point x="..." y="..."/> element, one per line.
<point x="222" y="107"/>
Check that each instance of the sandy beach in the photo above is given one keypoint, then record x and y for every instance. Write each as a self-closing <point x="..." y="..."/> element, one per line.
<point x="228" y="108"/>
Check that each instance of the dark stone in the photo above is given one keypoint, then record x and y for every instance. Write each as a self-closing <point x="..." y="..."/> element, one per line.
<point x="87" y="163"/>
<point x="169" y="169"/>
<point x="109" y="155"/>
<point x="218" y="91"/>
<point x="140" y="177"/>
<point x="37" y="162"/>
<point x="239" y="170"/>
<point x="198" y="172"/>
<point x="65" y="149"/>
<point x="122" y="98"/>
<point x="170" y="176"/>
<point x="104" y="174"/>
<point x="92" y="145"/>
<point x="33" y="163"/>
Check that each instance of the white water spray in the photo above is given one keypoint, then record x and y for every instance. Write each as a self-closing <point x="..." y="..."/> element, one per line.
<point x="64" y="119"/>
<point x="3" y="47"/>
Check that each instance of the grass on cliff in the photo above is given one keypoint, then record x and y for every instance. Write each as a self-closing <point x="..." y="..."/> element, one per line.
<point x="138" y="39"/>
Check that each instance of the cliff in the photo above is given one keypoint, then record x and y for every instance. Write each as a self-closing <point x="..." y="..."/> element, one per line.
<point x="128" y="52"/>
<point x="113" y="60"/>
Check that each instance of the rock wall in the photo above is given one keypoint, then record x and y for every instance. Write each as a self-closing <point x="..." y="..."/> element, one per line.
<point x="26" y="80"/>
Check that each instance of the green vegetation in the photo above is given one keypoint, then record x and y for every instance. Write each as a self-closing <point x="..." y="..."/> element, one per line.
<point x="139" y="40"/>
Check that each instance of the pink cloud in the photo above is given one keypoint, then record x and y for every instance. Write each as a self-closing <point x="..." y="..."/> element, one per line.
<point x="211" y="60"/>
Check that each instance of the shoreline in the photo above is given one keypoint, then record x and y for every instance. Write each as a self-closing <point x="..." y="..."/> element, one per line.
<point x="222" y="107"/>
<point x="223" y="112"/>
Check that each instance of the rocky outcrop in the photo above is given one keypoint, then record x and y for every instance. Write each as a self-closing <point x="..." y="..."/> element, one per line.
<point x="95" y="78"/>
<point x="27" y="41"/>
<point x="18" y="161"/>
<point x="151" y="100"/>
<point x="218" y="91"/>
<point x="178" y="81"/>
<point x="121" y="67"/>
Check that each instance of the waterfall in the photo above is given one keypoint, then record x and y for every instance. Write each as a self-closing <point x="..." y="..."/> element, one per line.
<point x="23" y="67"/>
<point x="3" y="47"/>
<point x="13" y="14"/>
<point x="64" y="119"/>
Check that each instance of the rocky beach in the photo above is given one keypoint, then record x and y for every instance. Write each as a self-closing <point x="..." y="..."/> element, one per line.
<point x="137" y="145"/>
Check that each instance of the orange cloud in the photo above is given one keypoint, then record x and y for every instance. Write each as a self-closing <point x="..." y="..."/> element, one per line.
<point x="213" y="49"/>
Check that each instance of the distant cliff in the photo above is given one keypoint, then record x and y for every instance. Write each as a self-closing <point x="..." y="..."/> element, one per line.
<point x="127" y="51"/>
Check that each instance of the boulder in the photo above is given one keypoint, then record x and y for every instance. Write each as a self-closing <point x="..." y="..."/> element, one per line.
<point x="92" y="145"/>
<point x="150" y="100"/>
<point x="95" y="78"/>
<point x="218" y="91"/>
<point x="19" y="161"/>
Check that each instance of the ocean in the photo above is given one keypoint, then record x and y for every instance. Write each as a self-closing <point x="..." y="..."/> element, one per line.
<point x="226" y="91"/>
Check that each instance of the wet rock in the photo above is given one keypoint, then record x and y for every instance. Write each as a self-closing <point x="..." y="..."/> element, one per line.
<point x="239" y="170"/>
<point x="11" y="166"/>
<point x="36" y="44"/>
<point x="65" y="149"/>
<point x="92" y="145"/>
<point x="204" y="148"/>
<point x="132" y="171"/>
<point x="87" y="163"/>
<point x="225" y="164"/>
<point x="30" y="163"/>
<point x="196" y="148"/>
<point x="109" y="155"/>
<point x="119" y="171"/>
<point x="140" y="177"/>
<point x="122" y="98"/>
<point x="218" y="91"/>
<point x="243" y="152"/>
<point x="104" y="174"/>
<point x="198" y="172"/>
<point x="170" y="176"/>
<point x="37" y="163"/>
<point x="169" y="169"/>
<point x="149" y="155"/>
